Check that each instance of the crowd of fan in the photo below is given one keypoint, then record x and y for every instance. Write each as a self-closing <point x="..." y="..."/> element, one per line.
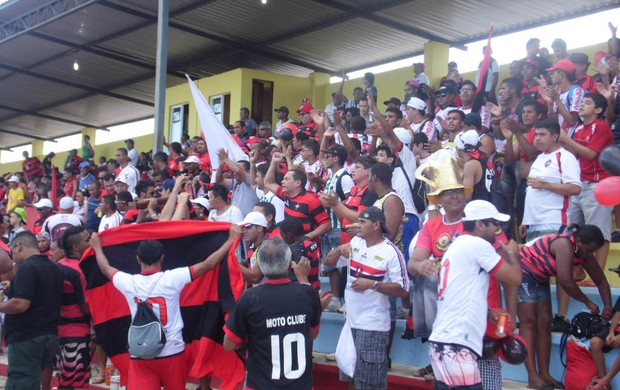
<point x="307" y="179"/>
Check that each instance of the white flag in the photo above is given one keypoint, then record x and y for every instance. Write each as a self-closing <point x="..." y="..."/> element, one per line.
<point x="213" y="131"/>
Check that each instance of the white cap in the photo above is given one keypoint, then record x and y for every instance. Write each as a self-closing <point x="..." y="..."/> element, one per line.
<point x="13" y="179"/>
<point x="66" y="203"/>
<point x="467" y="140"/>
<point x="481" y="209"/>
<point x="204" y="202"/>
<point x="191" y="159"/>
<point x="121" y="179"/>
<point x="254" y="218"/>
<point x="416" y="103"/>
<point x="44" y="203"/>
<point x="405" y="136"/>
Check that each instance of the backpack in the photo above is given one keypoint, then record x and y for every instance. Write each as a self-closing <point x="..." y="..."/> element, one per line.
<point x="146" y="337"/>
<point x="418" y="190"/>
<point x="585" y="325"/>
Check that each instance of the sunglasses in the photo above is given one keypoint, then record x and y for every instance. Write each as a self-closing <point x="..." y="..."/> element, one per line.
<point x="492" y="221"/>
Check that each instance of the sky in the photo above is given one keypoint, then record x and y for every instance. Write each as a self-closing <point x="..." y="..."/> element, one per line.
<point x="509" y="47"/>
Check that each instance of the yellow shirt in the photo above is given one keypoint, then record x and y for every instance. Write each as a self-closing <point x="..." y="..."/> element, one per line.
<point x="14" y="197"/>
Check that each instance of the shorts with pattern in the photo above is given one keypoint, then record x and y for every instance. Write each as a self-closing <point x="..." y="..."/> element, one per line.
<point x="454" y="366"/>
<point x="491" y="373"/>
<point x="371" y="368"/>
<point x="74" y="362"/>
<point x="533" y="291"/>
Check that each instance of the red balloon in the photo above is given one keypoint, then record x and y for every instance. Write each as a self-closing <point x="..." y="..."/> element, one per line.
<point x="607" y="191"/>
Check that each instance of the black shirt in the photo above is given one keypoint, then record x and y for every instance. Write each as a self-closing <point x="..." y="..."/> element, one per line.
<point x="40" y="281"/>
<point x="277" y="315"/>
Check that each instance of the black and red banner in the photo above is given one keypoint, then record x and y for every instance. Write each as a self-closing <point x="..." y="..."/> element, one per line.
<point x="205" y="302"/>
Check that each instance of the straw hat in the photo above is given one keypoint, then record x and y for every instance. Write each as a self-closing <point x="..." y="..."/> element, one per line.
<point x="441" y="173"/>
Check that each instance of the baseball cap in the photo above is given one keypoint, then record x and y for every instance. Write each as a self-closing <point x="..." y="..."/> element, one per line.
<point x="282" y="109"/>
<point x="120" y="179"/>
<point x="599" y="56"/>
<point x="66" y="203"/>
<point x="22" y="214"/>
<point x="416" y="103"/>
<point x="191" y="159"/>
<point x="374" y="214"/>
<point x="44" y="203"/>
<point x="338" y="150"/>
<point x="254" y="218"/>
<point x="13" y="179"/>
<point x="84" y="164"/>
<point x="405" y="136"/>
<point x="445" y="90"/>
<point x="467" y="140"/>
<point x="414" y="82"/>
<point x="473" y="119"/>
<point x="204" y="202"/>
<point x="533" y="63"/>
<point x="168" y="184"/>
<point x="481" y="209"/>
<point x="307" y="107"/>
<point x="579" y="58"/>
<point x="565" y="65"/>
<point x="393" y="100"/>
<point x="420" y="64"/>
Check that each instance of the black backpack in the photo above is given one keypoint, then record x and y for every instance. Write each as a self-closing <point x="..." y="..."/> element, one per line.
<point x="146" y="337"/>
<point x="419" y="189"/>
<point x="583" y="326"/>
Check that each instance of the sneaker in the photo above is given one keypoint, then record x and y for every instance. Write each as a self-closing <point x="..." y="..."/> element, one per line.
<point x="402" y="313"/>
<point x="333" y="306"/>
<point x="342" y="309"/>
<point x="615" y="236"/>
<point x="560" y="324"/>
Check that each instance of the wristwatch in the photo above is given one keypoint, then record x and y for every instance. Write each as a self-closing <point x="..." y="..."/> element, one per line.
<point x="375" y="287"/>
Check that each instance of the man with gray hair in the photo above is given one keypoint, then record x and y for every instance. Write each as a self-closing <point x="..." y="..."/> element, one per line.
<point x="274" y="318"/>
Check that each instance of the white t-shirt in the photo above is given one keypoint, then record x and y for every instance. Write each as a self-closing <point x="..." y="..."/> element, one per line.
<point x="370" y="310"/>
<point x="485" y="115"/>
<point x="274" y="200"/>
<point x="493" y="68"/>
<point x="232" y="215"/>
<point x="428" y="129"/>
<point x="164" y="299"/>
<point x="462" y="292"/>
<point x="443" y="114"/>
<point x="399" y="181"/>
<point x="56" y="224"/>
<point x="133" y="155"/>
<point x="543" y="206"/>
<point x="130" y="175"/>
<point x="114" y="220"/>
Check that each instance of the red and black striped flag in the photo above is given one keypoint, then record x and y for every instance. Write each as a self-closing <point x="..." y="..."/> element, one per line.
<point x="205" y="302"/>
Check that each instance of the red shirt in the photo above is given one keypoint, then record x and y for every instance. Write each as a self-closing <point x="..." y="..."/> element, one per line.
<point x="32" y="167"/>
<point x="596" y="136"/>
<point x="537" y="260"/>
<point x="312" y="129"/>
<point x="74" y="323"/>
<point x="358" y="200"/>
<point x="530" y="140"/>
<point x="205" y="162"/>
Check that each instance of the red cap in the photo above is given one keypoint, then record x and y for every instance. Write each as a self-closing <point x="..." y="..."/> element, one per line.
<point x="598" y="57"/>
<point x="565" y="65"/>
<point x="306" y="108"/>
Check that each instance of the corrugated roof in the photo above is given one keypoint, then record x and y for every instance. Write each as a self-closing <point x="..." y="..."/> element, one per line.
<point x="114" y="42"/>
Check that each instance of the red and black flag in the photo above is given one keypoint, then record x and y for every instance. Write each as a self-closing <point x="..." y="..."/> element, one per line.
<point x="205" y="302"/>
<point x="484" y="72"/>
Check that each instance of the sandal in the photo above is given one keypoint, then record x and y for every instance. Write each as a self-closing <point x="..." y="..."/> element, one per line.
<point x="595" y="385"/>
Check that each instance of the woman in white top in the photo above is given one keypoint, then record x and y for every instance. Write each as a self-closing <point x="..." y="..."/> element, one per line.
<point x="221" y="209"/>
<point x="80" y="202"/>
